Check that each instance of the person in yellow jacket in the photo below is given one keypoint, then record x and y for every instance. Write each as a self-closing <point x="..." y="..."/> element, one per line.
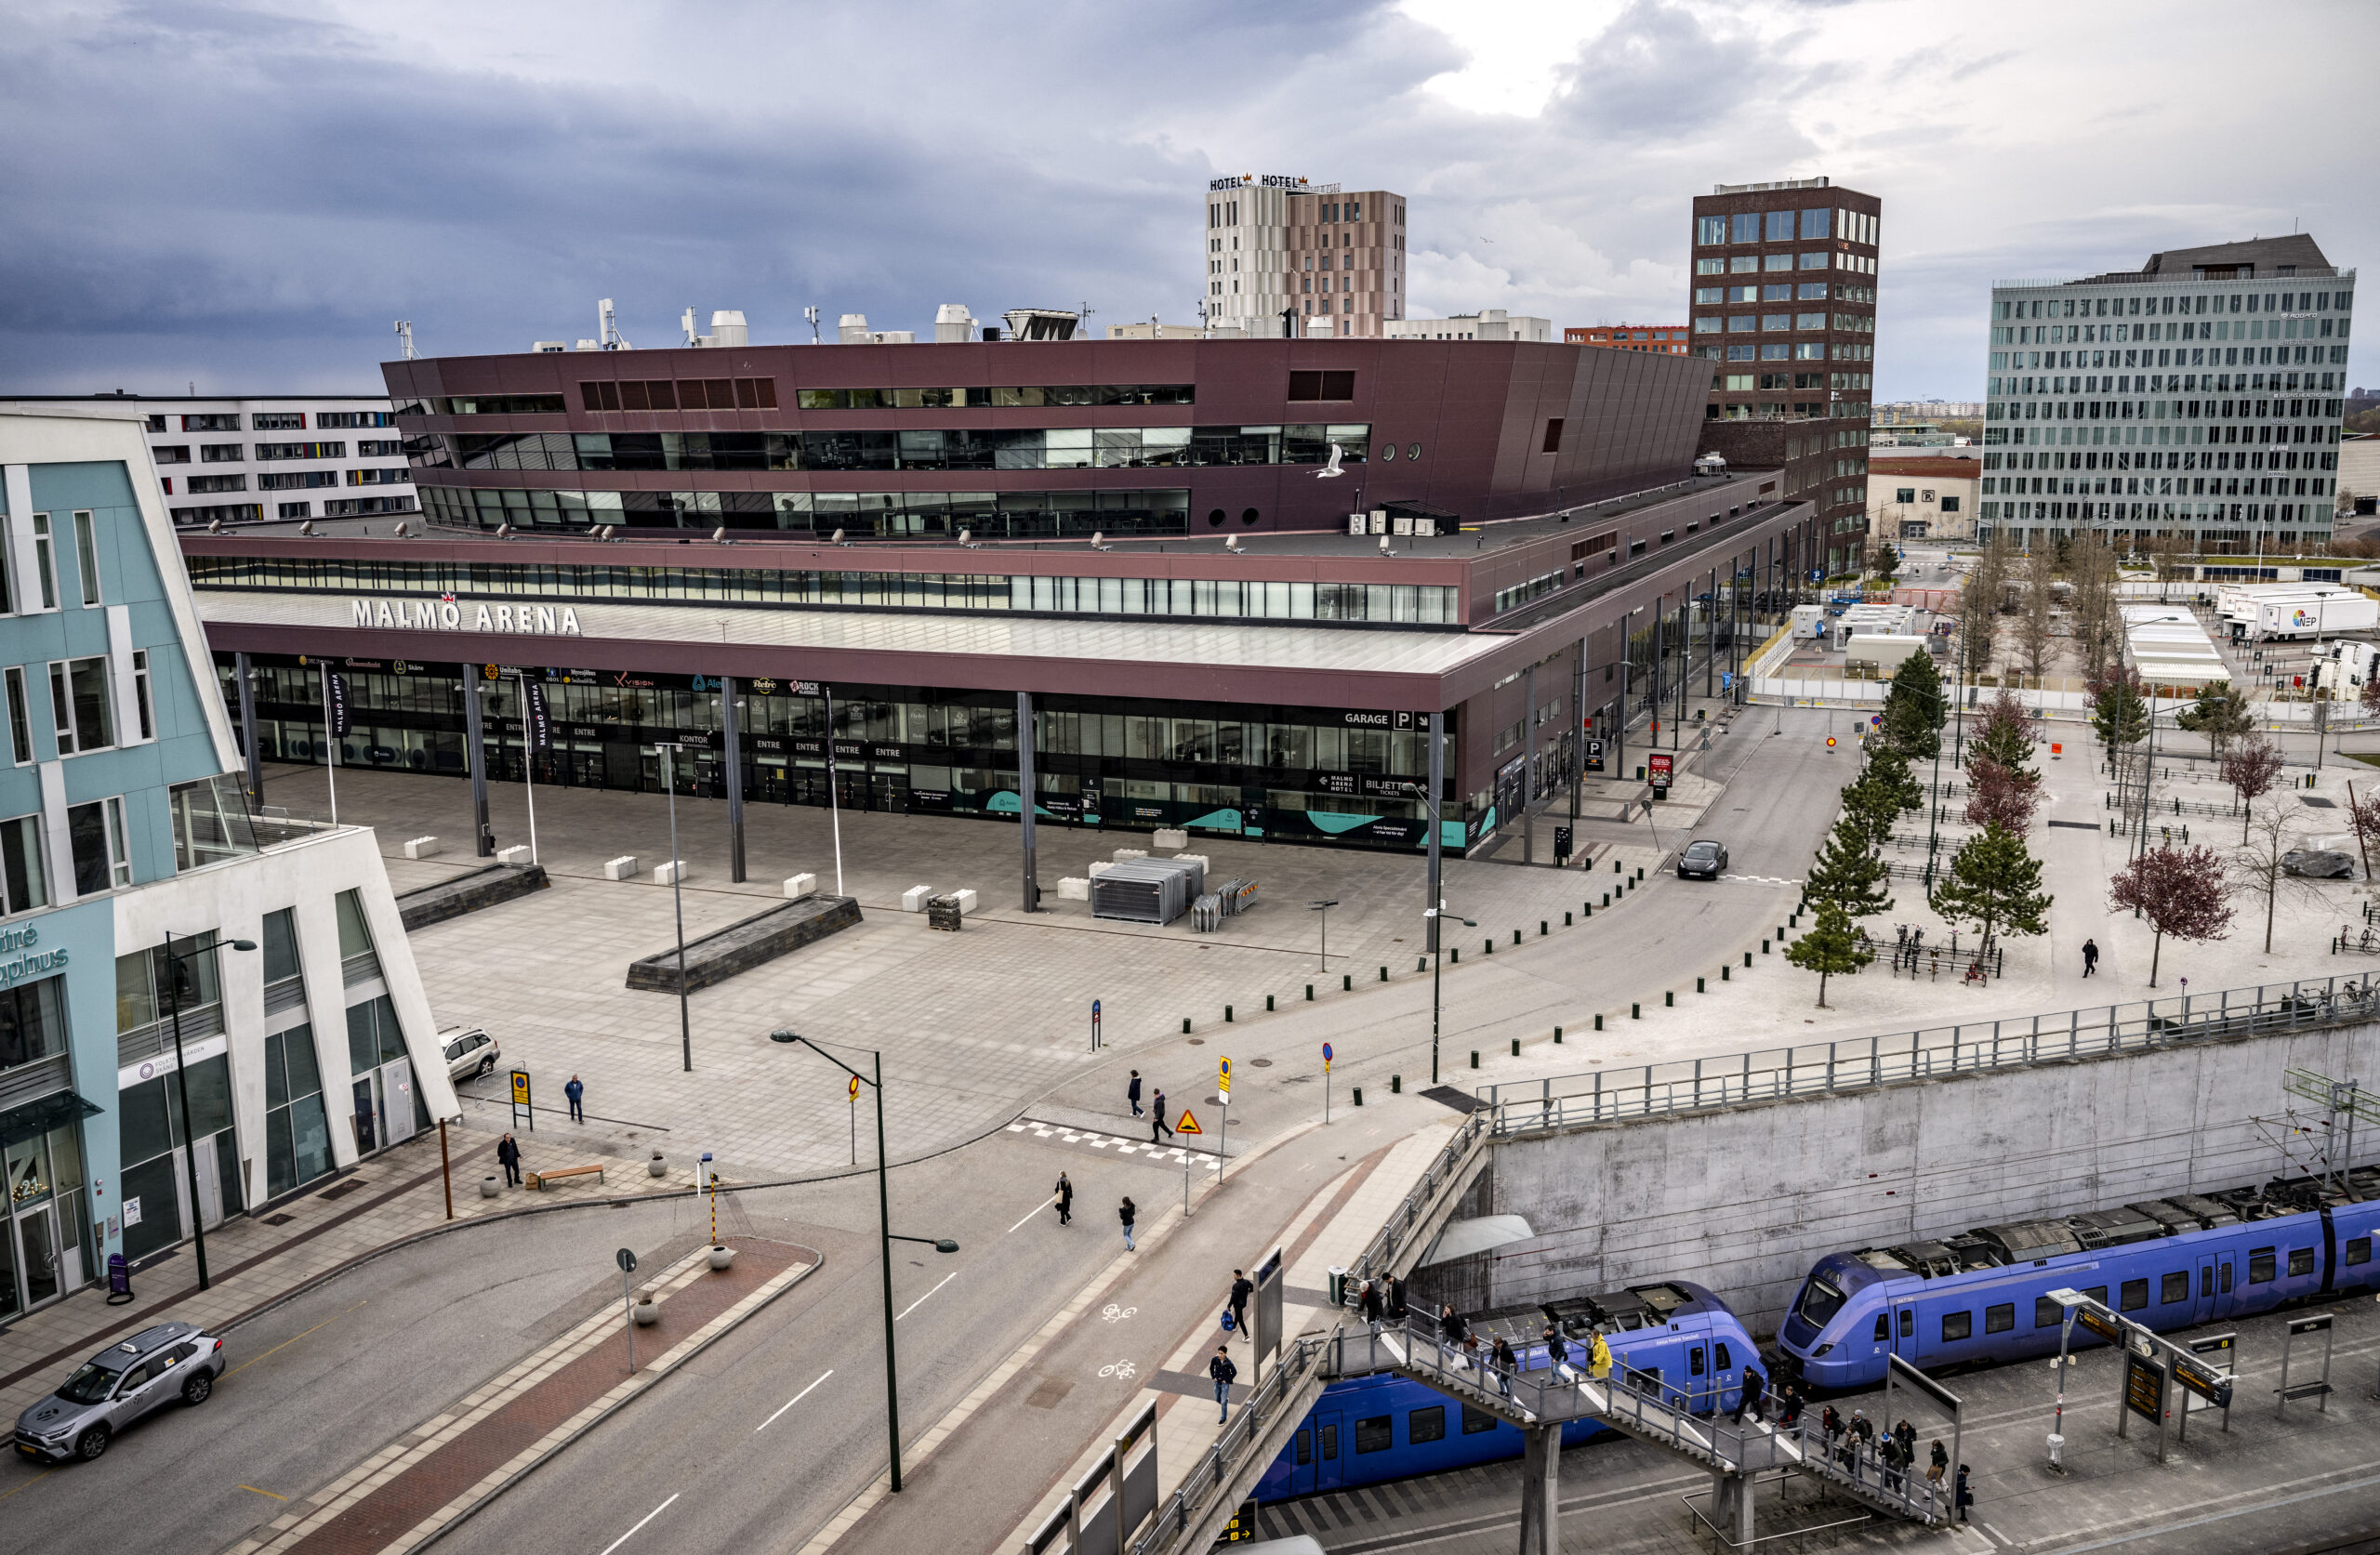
<point x="1599" y="1359"/>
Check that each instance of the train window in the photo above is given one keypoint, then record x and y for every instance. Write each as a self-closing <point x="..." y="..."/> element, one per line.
<point x="1331" y="1442"/>
<point x="2227" y="1277"/>
<point x="2359" y="1249"/>
<point x="2047" y="1313"/>
<point x="2174" y="1287"/>
<point x="2301" y="1260"/>
<point x="2263" y="1263"/>
<point x="1820" y="1300"/>
<point x="1721" y="1357"/>
<point x="1694" y="1361"/>
<point x="1426" y="1424"/>
<point x="1957" y="1325"/>
<point x="2096" y="1293"/>
<point x="2135" y="1295"/>
<point x="1306" y="1445"/>
<point x="2206" y="1282"/>
<point x="1999" y="1319"/>
<point x="1908" y="1323"/>
<point x="1884" y="1327"/>
<point x="1476" y="1420"/>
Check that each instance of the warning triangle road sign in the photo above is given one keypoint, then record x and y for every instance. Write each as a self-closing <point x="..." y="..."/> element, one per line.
<point x="1189" y="1124"/>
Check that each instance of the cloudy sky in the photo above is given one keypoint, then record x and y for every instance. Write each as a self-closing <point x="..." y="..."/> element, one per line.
<point x="245" y="196"/>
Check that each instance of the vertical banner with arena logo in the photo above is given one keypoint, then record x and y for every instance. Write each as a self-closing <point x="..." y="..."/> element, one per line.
<point x="536" y="723"/>
<point x="335" y="703"/>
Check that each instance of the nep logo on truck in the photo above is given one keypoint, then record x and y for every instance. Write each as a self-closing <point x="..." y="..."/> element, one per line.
<point x="449" y="616"/>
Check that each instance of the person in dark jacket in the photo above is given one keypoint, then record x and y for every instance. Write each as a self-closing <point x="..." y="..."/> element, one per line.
<point x="1941" y="1463"/>
<point x="508" y="1150"/>
<point x="1505" y="1362"/>
<point x="1157" y="1117"/>
<point x="1450" y="1326"/>
<point x="1125" y="1212"/>
<point x="577" y="1092"/>
<point x="1397" y="1297"/>
<point x="2090" y="956"/>
<point x="1755" y="1389"/>
<point x="1368" y="1299"/>
<point x="1066" y="1200"/>
<point x="1965" y="1498"/>
<point x="1220" y="1368"/>
<point x="1242" y="1288"/>
<point x="1133" y="1093"/>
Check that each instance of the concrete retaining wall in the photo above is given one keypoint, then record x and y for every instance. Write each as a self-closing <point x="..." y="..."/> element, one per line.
<point x="1745" y="1200"/>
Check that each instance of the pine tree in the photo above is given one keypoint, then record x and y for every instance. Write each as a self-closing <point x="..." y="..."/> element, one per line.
<point x="2220" y="713"/>
<point x="1831" y="946"/>
<point x="1995" y="882"/>
<point x="1848" y="873"/>
<point x="1888" y="769"/>
<point x="1915" y="710"/>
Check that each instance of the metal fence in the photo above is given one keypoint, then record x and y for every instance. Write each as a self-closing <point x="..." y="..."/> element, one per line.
<point x="1411" y="1217"/>
<point x="1292" y="1380"/>
<point x="1816" y="1068"/>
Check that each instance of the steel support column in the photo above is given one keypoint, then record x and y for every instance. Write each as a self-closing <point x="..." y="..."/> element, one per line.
<point x="475" y="753"/>
<point x="731" y="737"/>
<point x="1028" y="785"/>
<point x="1432" y="817"/>
<point x="1528" y="766"/>
<point x="1731" y="1507"/>
<point x="246" y="674"/>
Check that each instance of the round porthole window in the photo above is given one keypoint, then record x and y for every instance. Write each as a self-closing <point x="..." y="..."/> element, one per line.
<point x="1247" y="517"/>
<point x="1215" y="518"/>
<point x="1388" y="455"/>
<point x="1414" y="452"/>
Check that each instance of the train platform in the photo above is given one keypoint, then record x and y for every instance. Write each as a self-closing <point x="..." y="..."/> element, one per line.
<point x="2306" y="1483"/>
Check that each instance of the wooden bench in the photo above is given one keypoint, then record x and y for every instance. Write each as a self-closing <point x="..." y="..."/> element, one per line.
<point x="538" y="1179"/>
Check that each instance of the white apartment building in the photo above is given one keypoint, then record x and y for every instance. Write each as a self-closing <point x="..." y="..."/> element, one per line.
<point x="1488" y="323"/>
<point x="1284" y="256"/>
<point x="261" y="458"/>
<point x="2199" y="395"/>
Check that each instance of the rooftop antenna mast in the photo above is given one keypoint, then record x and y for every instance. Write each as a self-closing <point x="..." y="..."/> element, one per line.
<point x="810" y="313"/>
<point x="687" y="323"/>
<point x="404" y="338"/>
<point x="609" y="331"/>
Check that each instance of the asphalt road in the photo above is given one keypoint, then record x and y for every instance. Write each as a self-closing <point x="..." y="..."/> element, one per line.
<point x="318" y="1384"/>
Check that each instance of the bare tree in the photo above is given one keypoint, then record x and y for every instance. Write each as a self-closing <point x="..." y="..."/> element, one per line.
<point x="2035" y="620"/>
<point x="2179" y="890"/>
<point x="1979" y="608"/>
<point x="2252" y="767"/>
<point x="2096" y="616"/>
<point x="2259" y="865"/>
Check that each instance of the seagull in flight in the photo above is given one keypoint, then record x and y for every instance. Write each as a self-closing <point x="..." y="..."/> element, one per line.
<point x="1331" y="470"/>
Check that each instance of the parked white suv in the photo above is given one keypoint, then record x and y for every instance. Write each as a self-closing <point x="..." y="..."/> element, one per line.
<point x="469" y="1053"/>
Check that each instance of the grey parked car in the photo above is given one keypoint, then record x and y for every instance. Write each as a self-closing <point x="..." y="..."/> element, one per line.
<point x="118" y="1386"/>
<point x="469" y="1054"/>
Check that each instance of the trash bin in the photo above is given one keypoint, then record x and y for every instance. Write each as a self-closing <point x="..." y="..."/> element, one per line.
<point x="1338" y="1286"/>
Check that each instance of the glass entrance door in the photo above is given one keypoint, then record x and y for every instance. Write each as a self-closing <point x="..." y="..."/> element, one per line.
<point x="889" y="791"/>
<point x="38" y="1254"/>
<point x="367" y="1115"/>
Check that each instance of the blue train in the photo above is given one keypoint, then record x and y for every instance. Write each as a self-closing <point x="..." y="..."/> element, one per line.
<point x="1983" y="1295"/>
<point x="1367" y="1429"/>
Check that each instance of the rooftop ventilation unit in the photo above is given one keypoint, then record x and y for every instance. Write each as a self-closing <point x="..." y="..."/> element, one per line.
<point x="1040" y="324"/>
<point x="953" y="324"/>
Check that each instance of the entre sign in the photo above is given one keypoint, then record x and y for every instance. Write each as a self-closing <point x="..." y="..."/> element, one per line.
<point x="451" y="615"/>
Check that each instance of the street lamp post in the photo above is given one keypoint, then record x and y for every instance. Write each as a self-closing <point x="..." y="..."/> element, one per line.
<point x="1437" y="962"/>
<point x="182" y="1084"/>
<point x="885" y="1234"/>
<point x="678" y="904"/>
<point x="1323" y="908"/>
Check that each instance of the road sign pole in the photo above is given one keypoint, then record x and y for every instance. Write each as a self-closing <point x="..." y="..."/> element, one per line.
<point x="626" y="1259"/>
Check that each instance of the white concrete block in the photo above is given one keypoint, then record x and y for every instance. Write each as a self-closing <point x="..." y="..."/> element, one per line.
<point x="621" y="868"/>
<point x="914" y="899"/>
<point x="1123" y="854"/>
<point x="670" y="874"/>
<point x="1170" y="837"/>
<point x="1099" y="867"/>
<point x="967" y="900"/>
<point x="424" y="847"/>
<point x="799" y="886"/>
<point x="1200" y="860"/>
<point x="513" y="855"/>
<point x="1074" y="887"/>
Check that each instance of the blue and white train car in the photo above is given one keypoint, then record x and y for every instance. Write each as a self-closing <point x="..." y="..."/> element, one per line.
<point x="1983" y="1295"/>
<point x="1367" y="1430"/>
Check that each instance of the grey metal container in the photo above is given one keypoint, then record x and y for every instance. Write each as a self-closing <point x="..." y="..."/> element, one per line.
<point x="1146" y="890"/>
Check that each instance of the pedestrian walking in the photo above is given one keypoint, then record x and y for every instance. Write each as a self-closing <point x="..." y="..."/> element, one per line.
<point x="2090" y="956"/>
<point x="1220" y="1368"/>
<point x="1940" y="1465"/>
<point x="1830" y="1424"/>
<point x="1242" y="1288"/>
<point x="577" y="1092"/>
<point x="1906" y="1434"/>
<point x="1157" y="1116"/>
<point x="1368" y="1299"/>
<point x="1892" y="1461"/>
<point x="508" y="1150"/>
<point x="1124" y="1212"/>
<point x="1449" y="1325"/>
<point x="1599" y="1359"/>
<point x="1064" y="1199"/>
<point x="1962" y="1494"/>
<point x="1469" y="1348"/>
<point x="1506" y="1362"/>
<point x="1396" y="1308"/>
<point x="1792" y="1404"/>
<point x="1755" y="1388"/>
<point x="1133" y="1093"/>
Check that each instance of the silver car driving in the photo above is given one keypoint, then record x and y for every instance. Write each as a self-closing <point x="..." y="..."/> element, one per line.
<point x="118" y="1386"/>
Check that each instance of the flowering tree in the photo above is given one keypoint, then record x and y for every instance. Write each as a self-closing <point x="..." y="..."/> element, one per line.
<point x="2179" y="890"/>
<point x="2004" y="797"/>
<point x="2252" y="767"/>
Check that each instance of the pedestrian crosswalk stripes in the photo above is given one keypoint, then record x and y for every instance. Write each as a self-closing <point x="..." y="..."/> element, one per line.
<point x="1116" y="1143"/>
